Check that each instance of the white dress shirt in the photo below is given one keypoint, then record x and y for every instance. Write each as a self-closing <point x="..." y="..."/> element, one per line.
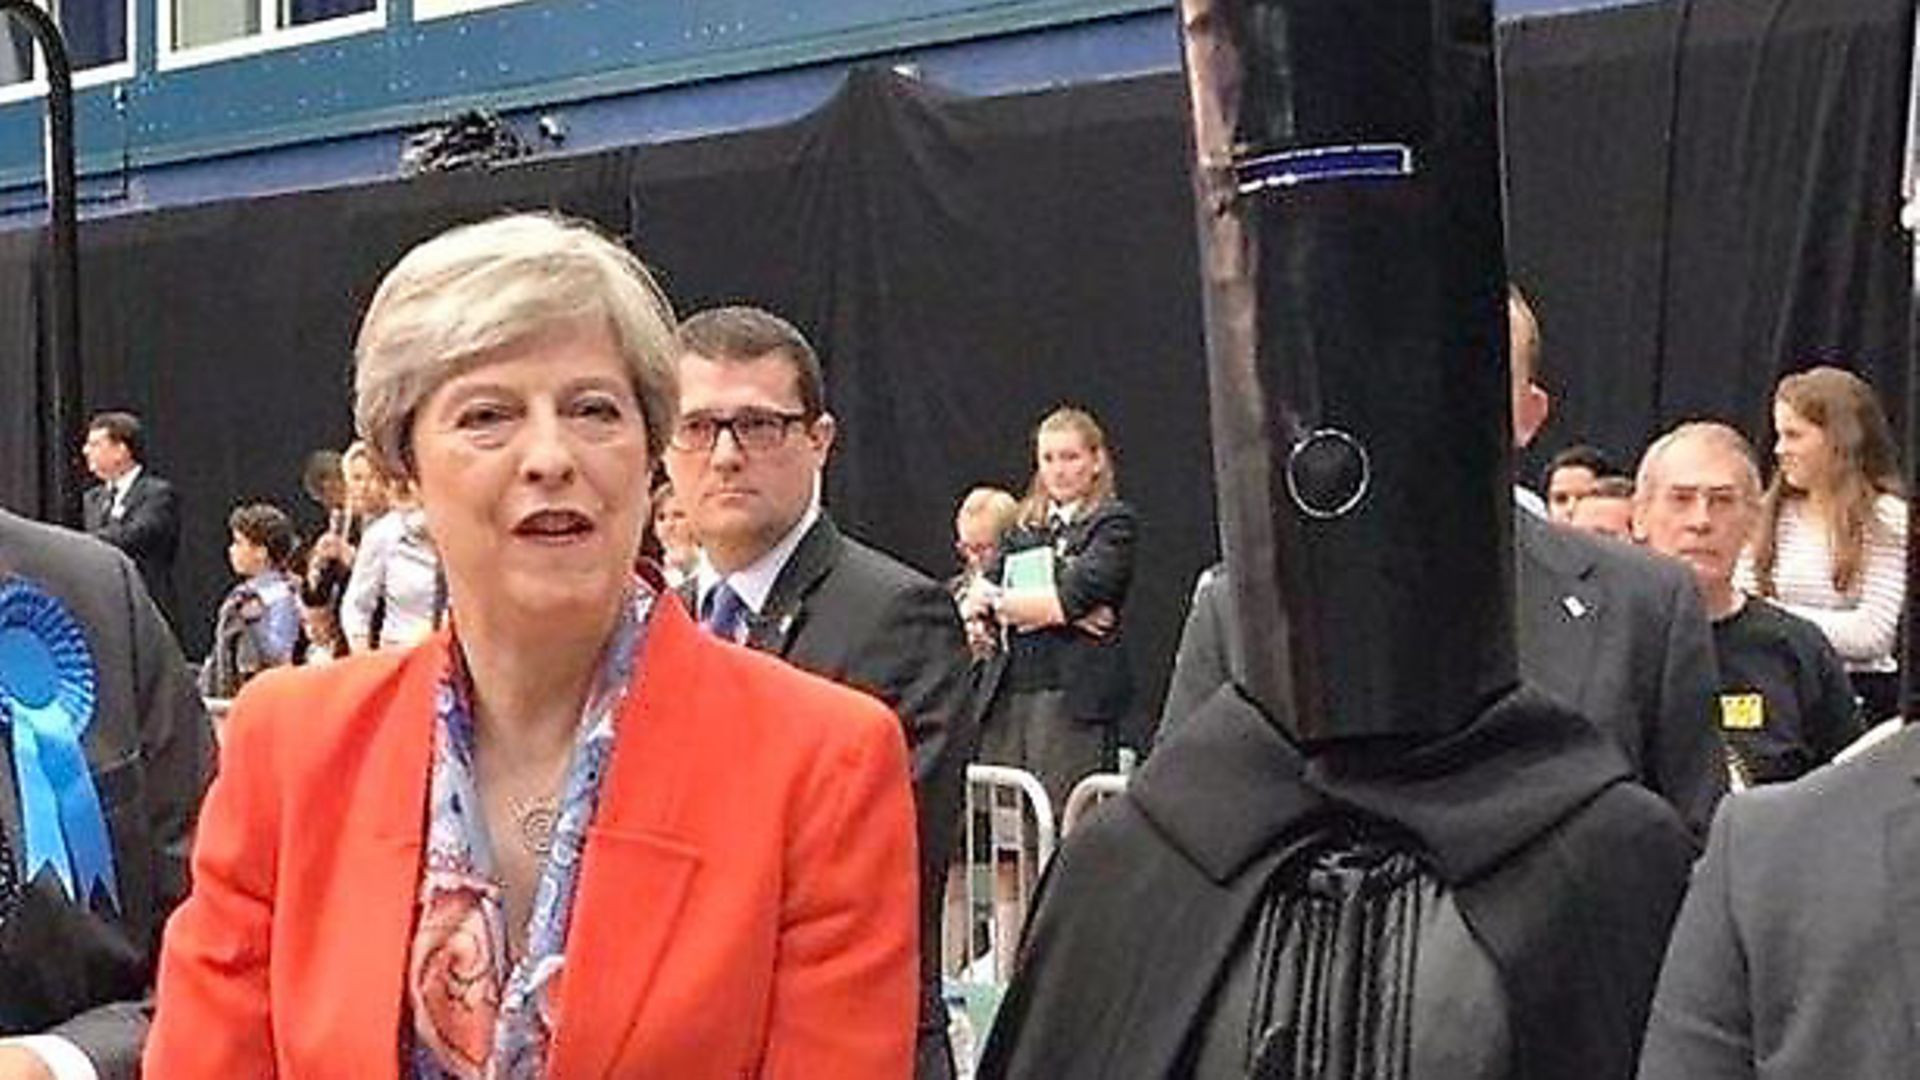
<point x="754" y="581"/>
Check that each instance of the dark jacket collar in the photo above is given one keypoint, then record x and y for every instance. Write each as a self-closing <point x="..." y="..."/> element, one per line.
<point x="809" y="564"/>
<point x="1227" y="785"/>
<point x="1551" y="546"/>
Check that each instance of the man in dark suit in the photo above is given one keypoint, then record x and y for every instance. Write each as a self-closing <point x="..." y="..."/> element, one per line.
<point x="76" y="958"/>
<point x="1618" y="634"/>
<point x="776" y="574"/>
<point x="131" y="508"/>
<point x="1796" y="955"/>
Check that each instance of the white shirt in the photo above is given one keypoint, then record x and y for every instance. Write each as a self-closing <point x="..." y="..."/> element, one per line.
<point x="64" y="1059"/>
<point x="395" y="563"/>
<point x="1864" y="627"/>
<point x="754" y="581"/>
<point x="117" y="492"/>
<point x="1530" y="501"/>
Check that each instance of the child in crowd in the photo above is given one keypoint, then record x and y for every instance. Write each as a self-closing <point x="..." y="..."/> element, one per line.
<point x="984" y="516"/>
<point x="321" y="639"/>
<point x="259" y="621"/>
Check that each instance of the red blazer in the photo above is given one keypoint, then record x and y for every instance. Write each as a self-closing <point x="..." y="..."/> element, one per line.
<point x="746" y="904"/>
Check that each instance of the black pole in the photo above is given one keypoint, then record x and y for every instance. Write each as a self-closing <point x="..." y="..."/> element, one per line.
<point x="60" y="364"/>
<point x="1909" y="649"/>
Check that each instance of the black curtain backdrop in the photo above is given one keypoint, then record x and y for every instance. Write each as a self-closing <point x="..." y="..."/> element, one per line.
<point x="25" y="426"/>
<point x="963" y="267"/>
<point x="1701" y="197"/>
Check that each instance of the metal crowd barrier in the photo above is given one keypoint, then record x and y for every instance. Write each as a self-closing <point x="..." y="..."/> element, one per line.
<point x="1090" y="792"/>
<point x="1008" y="835"/>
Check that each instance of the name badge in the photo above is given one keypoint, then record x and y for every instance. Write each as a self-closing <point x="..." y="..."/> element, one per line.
<point x="1742" y="712"/>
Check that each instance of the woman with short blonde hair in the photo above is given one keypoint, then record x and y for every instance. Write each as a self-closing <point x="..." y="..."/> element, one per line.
<point x="570" y="834"/>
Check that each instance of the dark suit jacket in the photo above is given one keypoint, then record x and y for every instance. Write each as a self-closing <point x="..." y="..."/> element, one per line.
<point x="1797" y="953"/>
<point x="864" y="619"/>
<point x="1618" y="634"/>
<point x="83" y="973"/>
<point x="148" y="530"/>
<point x="1095" y="568"/>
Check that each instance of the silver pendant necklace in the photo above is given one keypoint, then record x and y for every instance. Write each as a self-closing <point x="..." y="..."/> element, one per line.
<point x="534" y="822"/>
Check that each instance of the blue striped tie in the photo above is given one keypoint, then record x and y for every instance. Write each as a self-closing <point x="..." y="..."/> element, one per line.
<point x="724" y="609"/>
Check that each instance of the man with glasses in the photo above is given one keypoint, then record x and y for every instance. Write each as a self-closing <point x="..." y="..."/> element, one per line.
<point x="746" y="457"/>
<point x="1785" y="703"/>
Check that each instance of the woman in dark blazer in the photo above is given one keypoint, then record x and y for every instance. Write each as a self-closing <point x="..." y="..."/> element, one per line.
<point x="1067" y="684"/>
<point x="569" y="835"/>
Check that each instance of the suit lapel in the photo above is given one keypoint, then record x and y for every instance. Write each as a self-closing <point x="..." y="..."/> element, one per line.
<point x="1071" y="538"/>
<point x="384" y="850"/>
<point x="95" y="507"/>
<point x="1561" y="608"/>
<point x="1903" y="878"/>
<point x="636" y="872"/>
<point x="777" y="626"/>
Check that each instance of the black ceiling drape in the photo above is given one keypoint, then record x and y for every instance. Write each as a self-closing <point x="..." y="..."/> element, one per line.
<point x="963" y="267"/>
<point x="1704" y="196"/>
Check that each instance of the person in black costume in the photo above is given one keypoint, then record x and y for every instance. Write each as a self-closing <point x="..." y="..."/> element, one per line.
<point x="1374" y="854"/>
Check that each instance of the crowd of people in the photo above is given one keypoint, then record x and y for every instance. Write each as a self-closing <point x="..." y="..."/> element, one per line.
<point x="602" y="719"/>
<point x="1820" y="548"/>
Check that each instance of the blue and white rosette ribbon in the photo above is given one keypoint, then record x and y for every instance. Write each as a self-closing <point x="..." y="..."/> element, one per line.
<point x="48" y="689"/>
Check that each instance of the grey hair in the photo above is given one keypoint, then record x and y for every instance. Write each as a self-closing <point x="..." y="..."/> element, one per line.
<point x="1713" y="432"/>
<point x="480" y="287"/>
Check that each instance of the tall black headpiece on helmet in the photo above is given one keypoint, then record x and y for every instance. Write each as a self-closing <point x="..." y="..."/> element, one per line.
<point x="1350" y="232"/>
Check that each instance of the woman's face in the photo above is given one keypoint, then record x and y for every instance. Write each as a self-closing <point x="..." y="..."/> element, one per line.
<point x="674" y="529"/>
<point x="1068" y="466"/>
<point x="366" y="492"/>
<point x="532" y="468"/>
<point x="1802" y="449"/>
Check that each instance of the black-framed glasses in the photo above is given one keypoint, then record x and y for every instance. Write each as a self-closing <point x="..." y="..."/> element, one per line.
<point x="754" y="430"/>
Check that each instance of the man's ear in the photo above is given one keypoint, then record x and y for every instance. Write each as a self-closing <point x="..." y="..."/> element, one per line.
<point x="820" y="434"/>
<point x="1530" y="408"/>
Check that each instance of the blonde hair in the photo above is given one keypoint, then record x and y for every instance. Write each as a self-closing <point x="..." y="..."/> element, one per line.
<point x="992" y="506"/>
<point x="1848" y="413"/>
<point x="481" y="287"/>
<point x="1033" y="508"/>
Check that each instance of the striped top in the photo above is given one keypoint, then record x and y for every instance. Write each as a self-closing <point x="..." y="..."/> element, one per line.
<point x="1864" y="627"/>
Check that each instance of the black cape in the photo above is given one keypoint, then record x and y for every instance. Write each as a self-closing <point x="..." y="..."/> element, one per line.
<point x="1567" y="873"/>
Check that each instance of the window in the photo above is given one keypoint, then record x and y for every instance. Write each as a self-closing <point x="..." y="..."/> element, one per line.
<point x="434" y="9"/>
<point x="97" y="45"/>
<point x="195" y="30"/>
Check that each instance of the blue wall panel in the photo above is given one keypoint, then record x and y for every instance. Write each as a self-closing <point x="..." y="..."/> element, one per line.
<point x="523" y="54"/>
<point x="618" y="72"/>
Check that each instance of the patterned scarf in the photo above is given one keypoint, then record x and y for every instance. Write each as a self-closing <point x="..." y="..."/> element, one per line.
<point x="473" y="1019"/>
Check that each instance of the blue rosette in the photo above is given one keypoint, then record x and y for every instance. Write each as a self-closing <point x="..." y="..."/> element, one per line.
<point x="48" y="692"/>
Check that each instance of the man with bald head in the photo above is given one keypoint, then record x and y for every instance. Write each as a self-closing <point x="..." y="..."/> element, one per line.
<point x="1785" y="703"/>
